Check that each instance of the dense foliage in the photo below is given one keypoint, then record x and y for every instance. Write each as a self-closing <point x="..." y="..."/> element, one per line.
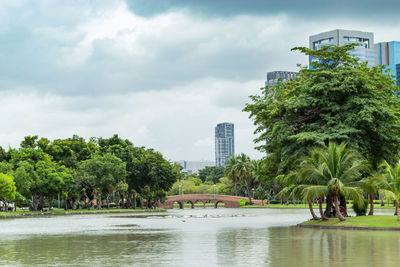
<point x="83" y="173"/>
<point x="339" y="99"/>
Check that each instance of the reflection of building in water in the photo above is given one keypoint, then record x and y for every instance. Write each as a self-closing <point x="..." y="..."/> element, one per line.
<point x="192" y="167"/>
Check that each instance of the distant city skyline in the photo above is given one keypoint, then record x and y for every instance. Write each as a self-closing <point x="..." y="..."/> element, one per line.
<point x="159" y="73"/>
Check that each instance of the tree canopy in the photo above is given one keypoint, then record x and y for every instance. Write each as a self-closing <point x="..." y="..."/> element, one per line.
<point x="339" y="99"/>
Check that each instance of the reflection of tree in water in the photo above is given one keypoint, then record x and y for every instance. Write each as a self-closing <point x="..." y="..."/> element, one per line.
<point x="90" y="249"/>
<point x="240" y="247"/>
<point x="292" y="246"/>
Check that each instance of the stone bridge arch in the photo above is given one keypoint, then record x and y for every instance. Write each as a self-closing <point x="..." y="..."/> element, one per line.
<point x="229" y="201"/>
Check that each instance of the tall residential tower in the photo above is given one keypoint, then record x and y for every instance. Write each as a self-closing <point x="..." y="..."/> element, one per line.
<point x="224" y="143"/>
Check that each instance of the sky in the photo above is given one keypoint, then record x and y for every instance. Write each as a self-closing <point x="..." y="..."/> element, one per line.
<point x="161" y="73"/>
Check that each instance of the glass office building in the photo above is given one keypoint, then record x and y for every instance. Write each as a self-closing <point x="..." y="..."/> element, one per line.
<point x="388" y="54"/>
<point x="364" y="50"/>
<point x="224" y="143"/>
<point x="274" y="76"/>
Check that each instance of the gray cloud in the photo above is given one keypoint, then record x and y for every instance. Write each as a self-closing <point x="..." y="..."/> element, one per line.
<point x="310" y="9"/>
<point x="162" y="75"/>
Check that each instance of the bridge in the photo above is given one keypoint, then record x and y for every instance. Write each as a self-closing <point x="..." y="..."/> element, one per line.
<point x="229" y="201"/>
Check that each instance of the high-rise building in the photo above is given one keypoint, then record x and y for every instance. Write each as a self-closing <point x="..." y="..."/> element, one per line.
<point x="274" y="76"/>
<point x="224" y="143"/>
<point x="388" y="54"/>
<point x="364" y="50"/>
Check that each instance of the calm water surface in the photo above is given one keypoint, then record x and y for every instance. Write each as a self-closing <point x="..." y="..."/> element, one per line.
<point x="199" y="237"/>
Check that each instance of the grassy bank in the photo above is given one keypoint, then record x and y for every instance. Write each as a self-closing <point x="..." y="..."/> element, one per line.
<point x="22" y="213"/>
<point x="305" y="206"/>
<point x="376" y="221"/>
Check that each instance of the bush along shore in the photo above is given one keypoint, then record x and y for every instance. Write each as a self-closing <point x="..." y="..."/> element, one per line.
<point x="55" y="212"/>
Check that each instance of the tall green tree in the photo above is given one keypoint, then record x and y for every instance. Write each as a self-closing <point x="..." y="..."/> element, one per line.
<point x="211" y="173"/>
<point x="245" y="173"/>
<point x="230" y="171"/>
<point x="7" y="189"/>
<point x="105" y="172"/>
<point x="339" y="99"/>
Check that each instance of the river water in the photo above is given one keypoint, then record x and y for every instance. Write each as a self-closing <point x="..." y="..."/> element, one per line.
<point x="198" y="237"/>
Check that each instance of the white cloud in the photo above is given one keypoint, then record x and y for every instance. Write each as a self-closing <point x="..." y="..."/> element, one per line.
<point x="162" y="81"/>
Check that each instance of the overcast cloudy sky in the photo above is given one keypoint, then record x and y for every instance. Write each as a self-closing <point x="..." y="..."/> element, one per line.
<point x="161" y="73"/>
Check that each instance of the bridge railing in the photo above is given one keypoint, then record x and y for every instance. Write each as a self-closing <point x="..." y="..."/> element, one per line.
<point x="209" y="196"/>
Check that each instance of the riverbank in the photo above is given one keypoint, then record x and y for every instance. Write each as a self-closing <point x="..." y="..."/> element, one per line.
<point x="375" y="222"/>
<point x="58" y="212"/>
<point x="304" y="206"/>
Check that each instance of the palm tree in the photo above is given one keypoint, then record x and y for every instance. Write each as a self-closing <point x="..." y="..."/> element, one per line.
<point x="243" y="169"/>
<point x="294" y="190"/>
<point x="315" y="192"/>
<point x="372" y="185"/>
<point x="230" y="171"/>
<point x="332" y="171"/>
<point x="392" y="188"/>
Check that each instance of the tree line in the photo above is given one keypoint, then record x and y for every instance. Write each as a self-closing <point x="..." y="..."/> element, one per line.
<point x="331" y="134"/>
<point x="83" y="173"/>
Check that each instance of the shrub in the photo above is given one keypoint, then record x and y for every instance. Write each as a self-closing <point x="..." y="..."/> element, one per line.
<point x="361" y="210"/>
<point x="243" y="202"/>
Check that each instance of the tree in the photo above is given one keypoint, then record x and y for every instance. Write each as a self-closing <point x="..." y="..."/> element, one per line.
<point x="332" y="171"/>
<point x="372" y="186"/>
<point x="30" y="141"/>
<point x="245" y="173"/>
<point x="211" y="173"/>
<point x="340" y="99"/>
<point x="105" y="172"/>
<point x="53" y="179"/>
<point x="392" y="185"/>
<point x="7" y="189"/>
<point x="230" y="171"/>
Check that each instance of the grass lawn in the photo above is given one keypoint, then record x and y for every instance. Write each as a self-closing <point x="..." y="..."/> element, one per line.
<point x="359" y="221"/>
<point x="305" y="206"/>
<point x="283" y="206"/>
<point x="56" y="211"/>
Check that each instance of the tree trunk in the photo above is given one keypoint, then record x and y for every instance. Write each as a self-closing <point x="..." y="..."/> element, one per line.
<point x="5" y="205"/>
<point x="381" y="200"/>
<point x="122" y="201"/>
<point x="49" y="203"/>
<point x="321" y="211"/>
<point x="371" y="205"/>
<point x="34" y="203"/>
<point x="235" y="188"/>
<point x="329" y="205"/>
<point x="248" y="194"/>
<point x="315" y="217"/>
<point x="108" y="202"/>
<point x="338" y="214"/>
<point x="99" y="202"/>
<point x="149" y="203"/>
<point x="398" y="213"/>
<point x="342" y="202"/>
<point x="397" y="207"/>
<point x="134" y="201"/>
<point x="141" y="202"/>
<point x="41" y="203"/>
